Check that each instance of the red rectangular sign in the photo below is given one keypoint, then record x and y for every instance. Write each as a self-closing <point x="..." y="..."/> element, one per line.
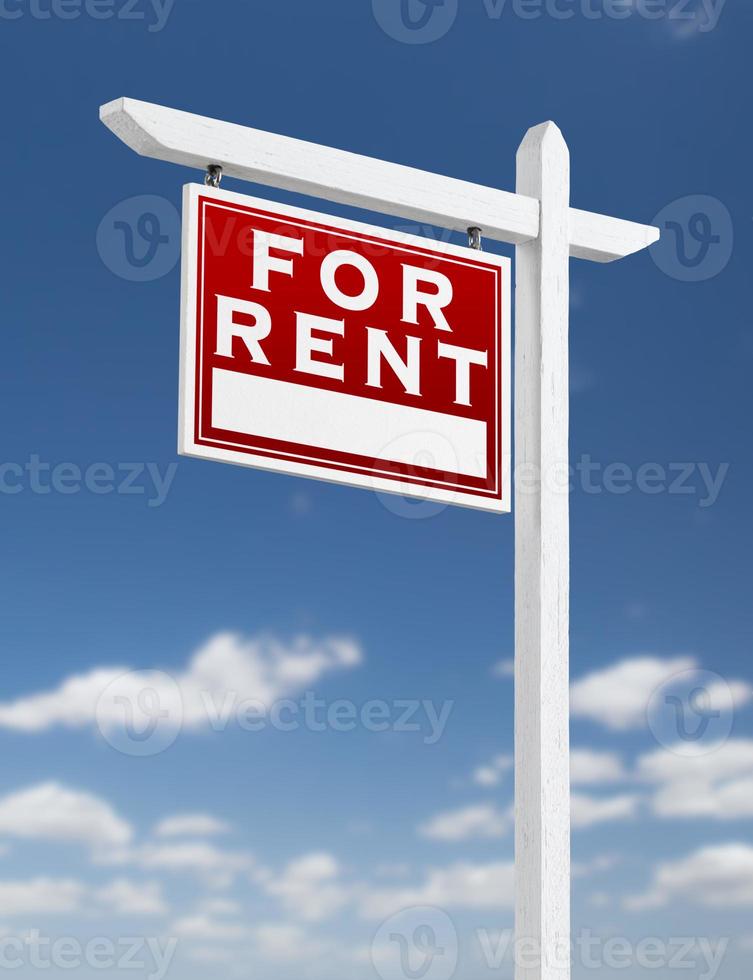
<point x="337" y="350"/>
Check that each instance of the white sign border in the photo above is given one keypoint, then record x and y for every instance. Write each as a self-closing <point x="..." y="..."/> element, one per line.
<point x="187" y="445"/>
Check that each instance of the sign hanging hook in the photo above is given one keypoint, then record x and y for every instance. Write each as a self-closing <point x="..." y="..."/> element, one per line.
<point x="474" y="238"/>
<point x="213" y="176"/>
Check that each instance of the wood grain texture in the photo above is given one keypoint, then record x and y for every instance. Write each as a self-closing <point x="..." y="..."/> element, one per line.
<point x="320" y="171"/>
<point x="348" y="178"/>
<point x="542" y="764"/>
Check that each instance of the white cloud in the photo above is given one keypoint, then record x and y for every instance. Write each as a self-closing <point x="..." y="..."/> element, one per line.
<point x="127" y="897"/>
<point x="618" y="696"/>
<point x="61" y="896"/>
<point x="220" y="906"/>
<point x="588" y="767"/>
<point x="50" y="811"/>
<point x="491" y="774"/>
<point x="459" y="886"/>
<point x="586" y="811"/>
<point x="217" y="867"/>
<point x="261" y="669"/>
<point x="54" y="812"/>
<point x="719" y="876"/>
<point x="276" y="941"/>
<point x="72" y="704"/>
<point x="717" y="785"/>
<point x="287" y="942"/>
<point x="206" y="928"/>
<point x="720" y="693"/>
<point x="483" y="820"/>
<point x="41" y="896"/>
<point x="310" y="887"/>
<point x="313" y="888"/>
<point x="214" y="920"/>
<point x="504" y="668"/>
<point x="191" y="825"/>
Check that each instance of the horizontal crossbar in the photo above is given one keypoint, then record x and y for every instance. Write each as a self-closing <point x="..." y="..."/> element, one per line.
<point x="364" y="182"/>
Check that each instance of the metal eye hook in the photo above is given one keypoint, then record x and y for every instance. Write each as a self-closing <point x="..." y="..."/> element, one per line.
<point x="474" y="238"/>
<point x="213" y="176"/>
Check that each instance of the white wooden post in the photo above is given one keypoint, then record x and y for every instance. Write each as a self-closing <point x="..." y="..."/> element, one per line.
<point x="542" y="764"/>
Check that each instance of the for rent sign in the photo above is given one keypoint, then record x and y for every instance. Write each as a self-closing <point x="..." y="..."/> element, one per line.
<point x="332" y="349"/>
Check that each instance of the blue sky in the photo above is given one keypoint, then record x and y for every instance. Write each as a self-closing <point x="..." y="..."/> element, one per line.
<point x="281" y="853"/>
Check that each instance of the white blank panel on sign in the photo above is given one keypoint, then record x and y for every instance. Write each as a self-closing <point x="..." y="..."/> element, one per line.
<point x="362" y="426"/>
